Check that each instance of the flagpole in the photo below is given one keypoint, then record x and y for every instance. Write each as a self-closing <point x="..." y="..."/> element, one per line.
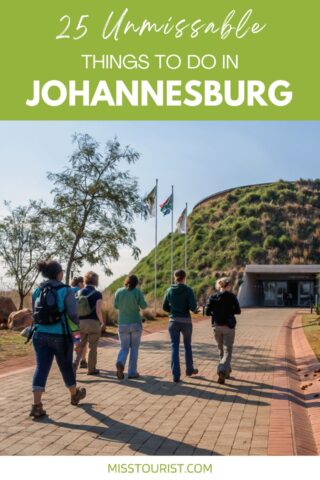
<point x="171" y="256"/>
<point x="155" y="251"/>
<point x="186" y="242"/>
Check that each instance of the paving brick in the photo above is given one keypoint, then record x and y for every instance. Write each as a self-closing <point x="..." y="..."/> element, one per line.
<point x="153" y="416"/>
<point x="291" y="428"/>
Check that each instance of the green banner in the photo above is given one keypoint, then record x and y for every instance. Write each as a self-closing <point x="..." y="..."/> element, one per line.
<point x="141" y="60"/>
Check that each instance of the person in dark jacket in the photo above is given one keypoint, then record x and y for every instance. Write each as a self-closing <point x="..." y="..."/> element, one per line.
<point x="222" y="307"/>
<point x="179" y="300"/>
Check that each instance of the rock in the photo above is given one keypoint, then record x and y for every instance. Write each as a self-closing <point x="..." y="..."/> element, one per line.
<point x="6" y="308"/>
<point x="307" y="385"/>
<point x="20" y="319"/>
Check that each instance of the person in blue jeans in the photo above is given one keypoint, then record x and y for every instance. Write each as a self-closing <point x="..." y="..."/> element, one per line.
<point x="129" y="300"/>
<point x="51" y="302"/>
<point x="179" y="300"/>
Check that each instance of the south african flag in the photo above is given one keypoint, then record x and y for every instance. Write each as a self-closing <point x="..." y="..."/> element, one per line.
<point x="167" y="206"/>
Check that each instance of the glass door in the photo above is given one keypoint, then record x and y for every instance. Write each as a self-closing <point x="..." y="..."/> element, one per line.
<point x="282" y="293"/>
<point x="275" y="294"/>
<point x="305" y="293"/>
<point x="269" y="292"/>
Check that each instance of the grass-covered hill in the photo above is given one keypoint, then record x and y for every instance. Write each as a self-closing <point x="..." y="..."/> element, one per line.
<point x="265" y="224"/>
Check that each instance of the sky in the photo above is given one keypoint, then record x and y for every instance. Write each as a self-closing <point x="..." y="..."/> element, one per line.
<point x="198" y="158"/>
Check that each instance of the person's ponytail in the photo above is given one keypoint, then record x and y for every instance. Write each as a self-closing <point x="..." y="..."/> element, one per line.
<point x="49" y="269"/>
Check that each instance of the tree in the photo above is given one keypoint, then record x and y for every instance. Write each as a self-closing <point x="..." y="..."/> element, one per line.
<point x="25" y="239"/>
<point x="95" y="203"/>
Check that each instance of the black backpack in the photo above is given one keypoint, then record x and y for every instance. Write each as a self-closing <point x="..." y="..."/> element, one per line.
<point x="46" y="311"/>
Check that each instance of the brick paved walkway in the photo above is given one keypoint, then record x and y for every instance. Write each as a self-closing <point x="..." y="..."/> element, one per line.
<point x="152" y="415"/>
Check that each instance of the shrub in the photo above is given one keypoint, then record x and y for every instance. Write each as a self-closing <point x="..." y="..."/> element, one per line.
<point x="243" y="210"/>
<point x="285" y="241"/>
<point x="244" y="232"/>
<point x="304" y="229"/>
<point x="257" y="254"/>
<point x="287" y="196"/>
<point x="249" y="230"/>
<point x="270" y="242"/>
<point x="231" y="198"/>
<point x="243" y="247"/>
<point x="271" y="194"/>
<point x="251" y="197"/>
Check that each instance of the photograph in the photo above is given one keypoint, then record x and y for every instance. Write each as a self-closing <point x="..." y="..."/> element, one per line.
<point x="159" y="289"/>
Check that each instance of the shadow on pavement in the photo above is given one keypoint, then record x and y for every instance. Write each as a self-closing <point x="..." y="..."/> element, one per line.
<point x="210" y="390"/>
<point x="137" y="438"/>
<point x="247" y="358"/>
<point x="156" y="386"/>
<point x="275" y="392"/>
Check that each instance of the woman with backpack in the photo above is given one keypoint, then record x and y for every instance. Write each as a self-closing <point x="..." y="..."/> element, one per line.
<point x="223" y="306"/>
<point x="91" y="319"/>
<point x="52" y="303"/>
<point x="129" y="300"/>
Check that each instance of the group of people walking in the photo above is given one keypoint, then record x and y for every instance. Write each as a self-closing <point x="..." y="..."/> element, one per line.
<point x="68" y="319"/>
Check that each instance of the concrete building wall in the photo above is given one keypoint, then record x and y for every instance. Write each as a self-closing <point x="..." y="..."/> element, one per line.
<point x="247" y="295"/>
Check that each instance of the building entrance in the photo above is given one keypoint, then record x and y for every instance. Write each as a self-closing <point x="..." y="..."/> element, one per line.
<point x="291" y="293"/>
<point x="280" y="286"/>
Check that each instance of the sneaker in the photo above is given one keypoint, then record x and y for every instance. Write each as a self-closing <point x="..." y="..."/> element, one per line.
<point x="120" y="369"/>
<point x="195" y="371"/>
<point x="221" y="378"/>
<point x="79" y="395"/>
<point x="94" y="372"/>
<point x="228" y="374"/>
<point x="83" y="364"/>
<point x="176" y="380"/>
<point x="134" y="376"/>
<point x="37" y="411"/>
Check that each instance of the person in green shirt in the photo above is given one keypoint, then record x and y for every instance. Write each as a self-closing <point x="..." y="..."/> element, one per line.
<point x="178" y="301"/>
<point x="129" y="300"/>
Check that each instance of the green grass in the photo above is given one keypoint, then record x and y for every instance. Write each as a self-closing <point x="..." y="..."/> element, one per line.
<point x="13" y="345"/>
<point x="311" y="325"/>
<point x="272" y="224"/>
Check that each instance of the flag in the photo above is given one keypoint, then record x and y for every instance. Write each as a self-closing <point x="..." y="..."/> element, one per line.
<point x="151" y="202"/>
<point x="167" y="206"/>
<point x="182" y="222"/>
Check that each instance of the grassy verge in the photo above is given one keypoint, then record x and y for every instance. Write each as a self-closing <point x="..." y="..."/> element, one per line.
<point x="12" y="345"/>
<point x="311" y="325"/>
